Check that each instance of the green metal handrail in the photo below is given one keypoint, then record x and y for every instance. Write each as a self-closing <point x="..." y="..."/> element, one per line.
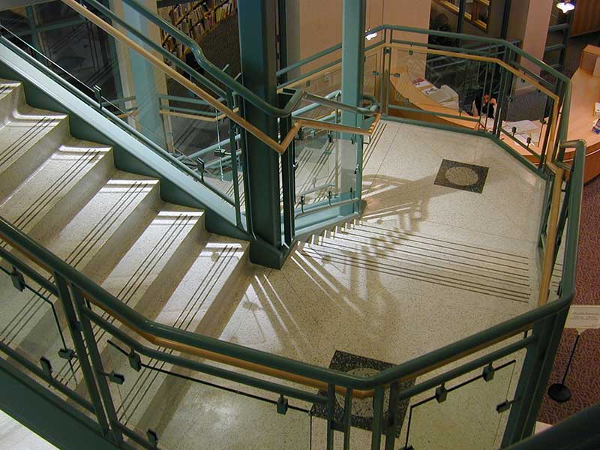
<point x="111" y="116"/>
<point x="578" y="432"/>
<point x="228" y="80"/>
<point x="408" y="369"/>
<point x="17" y="238"/>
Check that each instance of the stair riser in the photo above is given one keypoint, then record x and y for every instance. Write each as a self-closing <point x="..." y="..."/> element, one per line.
<point x="73" y="201"/>
<point x="211" y="320"/>
<point x="120" y="242"/>
<point x="34" y="157"/>
<point x="12" y="101"/>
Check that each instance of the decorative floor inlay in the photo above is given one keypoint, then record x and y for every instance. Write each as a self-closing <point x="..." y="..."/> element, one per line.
<point x="458" y="175"/>
<point x="362" y="409"/>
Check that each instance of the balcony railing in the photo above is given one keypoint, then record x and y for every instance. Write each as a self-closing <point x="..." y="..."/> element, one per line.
<point x="91" y="319"/>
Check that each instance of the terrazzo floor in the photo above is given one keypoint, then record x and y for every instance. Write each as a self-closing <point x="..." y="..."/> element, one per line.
<point x="425" y="266"/>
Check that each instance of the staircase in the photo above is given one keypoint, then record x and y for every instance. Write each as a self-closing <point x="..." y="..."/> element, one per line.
<point x="112" y="226"/>
<point x="158" y="259"/>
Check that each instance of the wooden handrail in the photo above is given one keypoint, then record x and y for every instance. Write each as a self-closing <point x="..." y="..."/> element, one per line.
<point x="158" y="63"/>
<point x="281" y="374"/>
<point x="551" y="233"/>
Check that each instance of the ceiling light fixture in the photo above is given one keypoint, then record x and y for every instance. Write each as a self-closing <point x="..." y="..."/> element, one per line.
<point x="565" y="7"/>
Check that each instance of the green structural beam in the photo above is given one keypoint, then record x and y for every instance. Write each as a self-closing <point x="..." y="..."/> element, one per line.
<point x="46" y="414"/>
<point x="259" y="59"/>
<point x="144" y="84"/>
<point x="353" y="56"/>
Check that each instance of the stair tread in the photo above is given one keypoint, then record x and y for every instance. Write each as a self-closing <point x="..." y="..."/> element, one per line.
<point x="81" y="240"/>
<point x="41" y="192"/>
<point x="24" y="130"/>
<point x="92" y="227"/>
<point x="7" y="88"/>
<point x="140" y="266"/>
<point x="435" y="255"/>
<point x="202" y="285"/>
<point x="419" y="258"/>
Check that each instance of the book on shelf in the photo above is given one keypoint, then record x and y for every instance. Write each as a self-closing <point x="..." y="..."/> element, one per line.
<point x="196" y="19"/>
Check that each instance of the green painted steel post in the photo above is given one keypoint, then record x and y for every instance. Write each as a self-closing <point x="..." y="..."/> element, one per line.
<point x="507" y="91"/>
<point x="390" y="431"/>
<point x="347" y="418"/>
<point x="353" y="61"/>
<point x="234" y="162"/>
<point x="82" y="355"/>
<point x="288" y="179"/>
<point x="96" y="359"/>
<point x="282" y="28"/>
<point x="330" y="416"/>
<point x="144" y="84"/>
<point x="533" y="378"/>
<point x="259" y="59"/>
<point x="377" y="419"/>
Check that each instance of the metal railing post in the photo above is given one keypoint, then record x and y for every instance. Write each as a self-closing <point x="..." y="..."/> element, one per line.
<point x="80" y="348"/>
<point x="377" y="418"/>
<point x="533" y="378"/>
<point x="96" y="360"/>
<point x="330" y="416"/>
<point x="234" y="162"/>
<point x="347" y="423"/>
<point x="390" y="429"/>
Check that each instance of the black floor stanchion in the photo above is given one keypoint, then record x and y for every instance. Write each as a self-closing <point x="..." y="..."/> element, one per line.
<point x="559" y="392"/>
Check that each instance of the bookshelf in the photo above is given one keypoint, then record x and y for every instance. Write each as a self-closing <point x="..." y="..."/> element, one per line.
<point x="196" y="19"/>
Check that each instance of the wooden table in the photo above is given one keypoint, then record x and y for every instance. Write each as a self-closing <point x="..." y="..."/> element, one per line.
<point x="402" y="88"/>
<point x="585" y="93"/>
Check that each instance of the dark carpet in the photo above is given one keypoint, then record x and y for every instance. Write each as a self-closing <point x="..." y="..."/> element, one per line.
<point x="584" y="376"/>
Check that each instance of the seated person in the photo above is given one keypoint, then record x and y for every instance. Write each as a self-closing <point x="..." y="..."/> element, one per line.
<point x="484" y="104"/>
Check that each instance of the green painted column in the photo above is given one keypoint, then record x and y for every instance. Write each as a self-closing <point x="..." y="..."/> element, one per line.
<point x="144" y="85"/>
<point x="257" y="20"/>
<point x="353" y="51"/>
<point x="353" y="59"/>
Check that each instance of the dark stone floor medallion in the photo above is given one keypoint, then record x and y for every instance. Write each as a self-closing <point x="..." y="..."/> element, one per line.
<point x="458" y="175"/>
<point x="362" y="409"/>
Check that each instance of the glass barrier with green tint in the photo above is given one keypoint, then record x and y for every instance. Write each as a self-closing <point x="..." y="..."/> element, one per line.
<point x="120" y="351"/>
<point x="325" y="169"/>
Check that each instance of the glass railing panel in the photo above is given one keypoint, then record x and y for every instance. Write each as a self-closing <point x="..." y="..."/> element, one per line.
<point x="467" y="412"/>
<point x="528" y="118"/>
<point x="317" y="75"/>
<point x="34" y="333"/>
<point x="373" y="72"/>
<point x="433" y="88"/>
<point x="158" y="106"/>
<point x="310" y="110"/>
<point x="183" y="408"/>
<point x="325" y="169"/>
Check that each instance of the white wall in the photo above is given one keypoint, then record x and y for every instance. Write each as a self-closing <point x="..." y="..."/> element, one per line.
<point x="314" y="25"/>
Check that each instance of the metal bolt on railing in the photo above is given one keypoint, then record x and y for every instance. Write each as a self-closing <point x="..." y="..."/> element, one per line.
<point x="282" y="405"/>
<point x="441" y="394"/>
<point x="114" y="377"/>
<point x="489" y="372"/>
<point x="135" y="361"/>
<point x="152" y="437"/>
<point x="505" y="405"/>
<point x="18" y="280"/>
<point x="46" y="366"/>
<point x="201" y="168"/>
<point x="67" y="353"/>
